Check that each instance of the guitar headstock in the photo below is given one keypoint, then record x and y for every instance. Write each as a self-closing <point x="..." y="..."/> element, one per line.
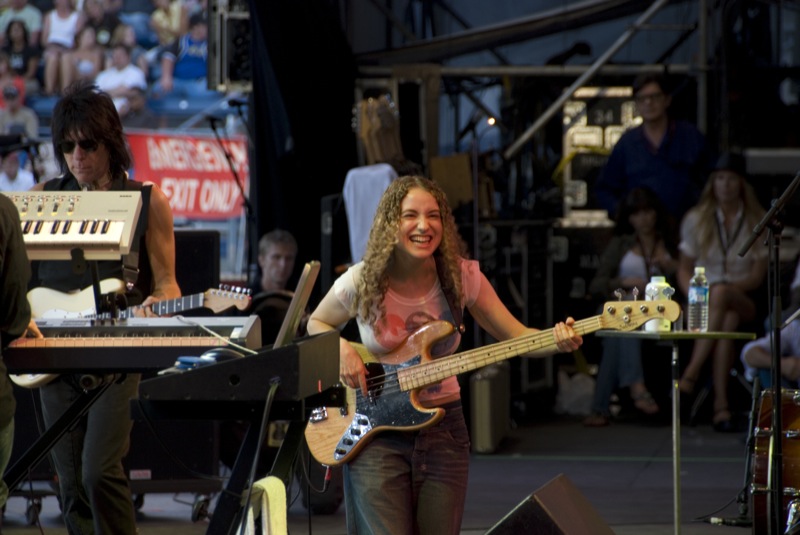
<point x="630" y="315"/>
<point x="219" y="300"/>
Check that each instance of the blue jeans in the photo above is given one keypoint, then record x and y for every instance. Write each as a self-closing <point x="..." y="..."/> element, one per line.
<point x="6" y="445"/>
<point x="405" y="483"/>
<point x="95" y="497"/>
<point x="621" y="366"/>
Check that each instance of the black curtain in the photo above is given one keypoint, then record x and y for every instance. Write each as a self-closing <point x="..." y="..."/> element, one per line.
<point x="300" y="112"/>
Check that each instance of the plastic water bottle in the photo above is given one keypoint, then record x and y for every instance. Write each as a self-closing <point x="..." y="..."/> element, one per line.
<point x="697" y="316"/>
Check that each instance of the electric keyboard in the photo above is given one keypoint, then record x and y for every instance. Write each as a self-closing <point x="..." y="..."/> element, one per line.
<point x="101" y="223"/>
<point x="133" y="345"/>
<point x="301" y="369"/>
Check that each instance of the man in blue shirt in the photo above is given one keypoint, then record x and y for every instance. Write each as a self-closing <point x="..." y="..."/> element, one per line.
<point x="184" y="67"/>
<point x="668" y="156"/>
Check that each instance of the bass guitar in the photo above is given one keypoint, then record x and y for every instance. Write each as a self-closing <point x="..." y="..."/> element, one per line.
<point x="336" y="434"/>
<point x="52" y="304"/>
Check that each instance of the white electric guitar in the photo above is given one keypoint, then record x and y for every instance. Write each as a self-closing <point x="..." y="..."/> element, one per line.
<point x="52" y="304"/>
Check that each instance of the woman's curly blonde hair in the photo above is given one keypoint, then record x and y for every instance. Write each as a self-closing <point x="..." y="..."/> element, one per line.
<point x="378" y="257"/>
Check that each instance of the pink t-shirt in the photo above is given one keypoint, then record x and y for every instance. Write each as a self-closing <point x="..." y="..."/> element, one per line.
<point x="404" y="316"/>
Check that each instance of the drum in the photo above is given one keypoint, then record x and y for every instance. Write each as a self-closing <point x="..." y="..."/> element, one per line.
<point x="762" y="458"/>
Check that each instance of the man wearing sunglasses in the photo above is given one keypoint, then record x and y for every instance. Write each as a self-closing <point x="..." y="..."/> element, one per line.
<point x="93" y="155"/>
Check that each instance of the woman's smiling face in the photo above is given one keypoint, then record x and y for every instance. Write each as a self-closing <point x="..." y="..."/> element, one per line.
<point x="420" y="229"/>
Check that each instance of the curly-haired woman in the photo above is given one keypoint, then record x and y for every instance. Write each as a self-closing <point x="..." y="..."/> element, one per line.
<point x="414" y="266"/>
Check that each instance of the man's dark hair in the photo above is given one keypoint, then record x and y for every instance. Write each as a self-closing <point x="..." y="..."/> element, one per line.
<point x="651" y="78"/>
<point x="85" y="112"/>
<point x="197" y="18"/>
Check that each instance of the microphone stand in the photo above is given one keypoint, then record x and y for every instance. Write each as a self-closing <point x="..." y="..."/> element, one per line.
<point x="773" y="223"/>
<point x="249" y="214"/>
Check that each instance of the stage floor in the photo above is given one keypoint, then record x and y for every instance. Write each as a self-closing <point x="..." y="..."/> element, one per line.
<point x="624" y="471"/>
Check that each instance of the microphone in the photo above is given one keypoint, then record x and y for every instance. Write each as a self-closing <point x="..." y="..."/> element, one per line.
<point x="237" y="102"/>
<point x="740" y="522"/>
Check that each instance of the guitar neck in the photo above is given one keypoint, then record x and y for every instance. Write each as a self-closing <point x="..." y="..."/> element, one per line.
<point x="168" y="306"/>
<point x="437" y="370"/>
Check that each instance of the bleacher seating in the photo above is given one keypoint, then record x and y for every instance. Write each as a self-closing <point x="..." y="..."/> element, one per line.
<point x="174" y="111"/>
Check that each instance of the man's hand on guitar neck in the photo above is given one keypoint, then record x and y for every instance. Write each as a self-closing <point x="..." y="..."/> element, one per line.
<point x="145" y="310"/>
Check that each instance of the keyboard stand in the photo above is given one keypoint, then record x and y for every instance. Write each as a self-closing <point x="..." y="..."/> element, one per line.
<point x="15" y="474"/>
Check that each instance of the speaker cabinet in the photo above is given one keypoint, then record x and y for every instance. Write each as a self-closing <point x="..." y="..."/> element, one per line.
<point x="557" y="508"/>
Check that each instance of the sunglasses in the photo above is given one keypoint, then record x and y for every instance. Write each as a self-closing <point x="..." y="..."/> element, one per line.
<point x="87" y="145"/>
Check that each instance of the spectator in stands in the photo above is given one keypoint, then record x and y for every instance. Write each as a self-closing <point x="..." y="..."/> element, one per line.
<point x="169" y="20"/>
<point x="122" y="76"/>
<point x="85" y="60"/>
<point x="137" y="114"/>
<point x="21" y="10"/>
<point x="23" y="55"/>
<point x="712" y="233"/>
<point x="184" y="64"/>
<point x="12" y="176"/>
<point x="127" y="36"/>
<point x="668" y="156"/>
<point x="16" y="118"/>
<point x="9" y="78"/>
<point x="106" y="25"/>
<point x="61" y="25"/>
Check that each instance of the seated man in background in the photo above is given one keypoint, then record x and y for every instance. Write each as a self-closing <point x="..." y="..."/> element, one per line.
<point x="277" y="251"/>
<point x="757" y="357"/>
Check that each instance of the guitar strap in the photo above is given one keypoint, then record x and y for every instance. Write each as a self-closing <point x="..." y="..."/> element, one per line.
<point x="455" y="308"/>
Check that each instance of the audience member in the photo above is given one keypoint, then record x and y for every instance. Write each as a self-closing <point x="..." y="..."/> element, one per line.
<point x="122" y="76"/>
<point x="9" y="78"/>
<point x="668" y="156"/>
<point x="16" y="118"/>
<point x="757" y="358"/>
<point x="127" y="36"/>
<point x="85" y="61"/>
<point x="137" y="114"/>
<point x="61" y="25"/>
<point x="641" y="248"/>
<point x="21" y="10"/>
<point x="12" y="176"/>
<point x="169" y="20"/>
<point x="711" y="235"/>
<point x="107" y="26"/>
<point x="184" y="64"/>
<point x="23" y="54"/>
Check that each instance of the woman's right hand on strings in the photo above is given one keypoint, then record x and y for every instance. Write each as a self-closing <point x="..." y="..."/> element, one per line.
<point x="352" y="372"/>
